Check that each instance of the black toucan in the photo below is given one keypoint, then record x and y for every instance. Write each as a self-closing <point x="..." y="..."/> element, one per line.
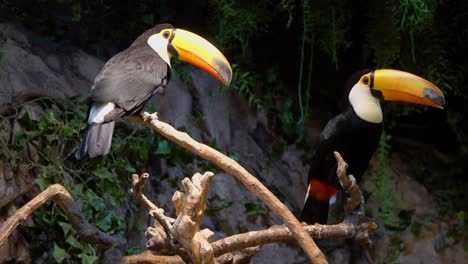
<point x="132" y="76"/>
<point x="355" y="132"/>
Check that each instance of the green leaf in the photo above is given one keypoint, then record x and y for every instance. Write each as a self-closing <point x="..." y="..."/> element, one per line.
<point x="461" y="219"/>
<point x="26" y="122"/>
<point x="103" y="173"/>
<point x="163" y="148"/>
<point x="106" y="223"/>
<point x="143" y="151"/>
<point x="87" y="259"/>
<point x="66" y="132"/>
<point x="59" y="253"/>
<point x="89" y="255"/>
<point x="21" y="137"/>
<point x="76" y="12"/>
<point x="129" y="168"/>
<point x="66" y="227"/>
<point x="152" y="108"/>
<point x="74" y="242"/>
<point x="234" y="157"/>
<point x="41" y="183"/>
<point x="2" y="55"/>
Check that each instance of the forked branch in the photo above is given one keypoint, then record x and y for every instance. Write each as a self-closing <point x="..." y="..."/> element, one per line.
<point x="191" y="203"/>
<point x="248" y="180"/>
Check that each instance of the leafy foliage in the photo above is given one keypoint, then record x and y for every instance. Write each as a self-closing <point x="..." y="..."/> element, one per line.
<point x="100" y="185"/>
<point x="239" y="21"/>
<point x="382" y="187"/>
<point x="244" y="83"/>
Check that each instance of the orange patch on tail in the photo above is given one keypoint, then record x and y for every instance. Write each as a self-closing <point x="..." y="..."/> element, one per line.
<point x="321" y="191"/>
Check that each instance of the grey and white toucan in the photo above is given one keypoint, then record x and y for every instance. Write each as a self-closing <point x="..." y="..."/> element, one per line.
<point x="131" y="77"/>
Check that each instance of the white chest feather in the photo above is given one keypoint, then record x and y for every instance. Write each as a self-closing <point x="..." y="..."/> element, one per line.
<point x="366" y="106"/>
<point x="99" y="111"/>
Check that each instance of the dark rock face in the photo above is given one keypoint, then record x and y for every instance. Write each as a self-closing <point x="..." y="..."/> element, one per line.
<point x="32" y="67"/>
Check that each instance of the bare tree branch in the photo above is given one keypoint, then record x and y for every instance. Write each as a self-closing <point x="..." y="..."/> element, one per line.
<point x="244" y="255"/>
<point x="354" y="206"/>
<point x="156" y="212"/>
<point x="248" y="180"/>
<point x="148" y="258"/>
<point x="187" y="225"/>
<point x="62" y="197"/>
<point x="280" y="234"/>
<point x="348" y="182"/>
<point x="191" y="203"/>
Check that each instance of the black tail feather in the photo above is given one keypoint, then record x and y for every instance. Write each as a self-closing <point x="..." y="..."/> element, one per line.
<point x="96" y="141"/>
<point x="314" y="211"/>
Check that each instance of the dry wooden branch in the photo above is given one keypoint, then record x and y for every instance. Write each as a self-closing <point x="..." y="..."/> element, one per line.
<point x="187" y="225"/>
<point x="248" y="180"/>
<point x="354" y="206"/>
<point x="148" y="258"/>
<point x="280" y="234"/>
<point x="191" y="203"/>
<point x="348" y="182"/>
<point x="62" y="197"/>
<point x="137" y="186"/>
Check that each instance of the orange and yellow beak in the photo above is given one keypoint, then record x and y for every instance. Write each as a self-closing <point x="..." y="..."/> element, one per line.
<point x="406" y="87"/>
<point x="193" y="49"/>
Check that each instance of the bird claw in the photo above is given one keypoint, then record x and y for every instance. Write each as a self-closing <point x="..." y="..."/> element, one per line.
<point x="147" y="116"/>
<point x="154" y="116"/>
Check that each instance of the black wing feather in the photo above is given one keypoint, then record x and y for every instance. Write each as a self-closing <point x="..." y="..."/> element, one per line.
<point x="354" y="138"/>
<point x="323" y="160"/>
<point x="130" y="78"/>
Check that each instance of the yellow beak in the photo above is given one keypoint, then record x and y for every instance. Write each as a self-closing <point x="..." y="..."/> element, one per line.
<point x="406" y="87"/>
<point x="193" y="49"/>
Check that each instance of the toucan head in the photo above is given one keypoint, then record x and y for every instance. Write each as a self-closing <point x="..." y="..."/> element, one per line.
<point x="170" y="42"/>
<point x="391" y="85"/>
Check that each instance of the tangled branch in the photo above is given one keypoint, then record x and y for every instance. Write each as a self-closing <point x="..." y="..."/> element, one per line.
<point x="248" y="180"/>
<point x="195" y="244"/>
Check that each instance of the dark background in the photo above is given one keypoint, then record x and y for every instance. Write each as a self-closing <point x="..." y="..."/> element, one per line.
<point x="270" y="40"/>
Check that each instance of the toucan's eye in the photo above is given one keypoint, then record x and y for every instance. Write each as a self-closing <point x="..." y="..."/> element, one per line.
<point x="166" y="34"/>
<point x="365" y="80"/>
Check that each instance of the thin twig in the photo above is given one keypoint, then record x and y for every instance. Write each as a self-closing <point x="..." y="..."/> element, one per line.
<point x="156" y="212"/>
<point x="248" y="180"/>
